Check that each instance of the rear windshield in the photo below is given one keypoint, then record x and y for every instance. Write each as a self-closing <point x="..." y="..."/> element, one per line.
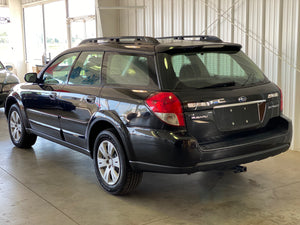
<point x="199" y="70"/>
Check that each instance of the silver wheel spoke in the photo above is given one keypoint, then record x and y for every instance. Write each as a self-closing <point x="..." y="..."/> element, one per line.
<point x="114" y="175"/>
<point x="106" y="175"/>
<point x="102" y="149"/>
<point x="17" y="135"/>
<point x="101" y="163"/>
<point x="14" y="133"/>
<point x="13" y="117"/>
<point x="116" y="162"/>
<point x="12" y="124"/>
<point x="110" y="149"/>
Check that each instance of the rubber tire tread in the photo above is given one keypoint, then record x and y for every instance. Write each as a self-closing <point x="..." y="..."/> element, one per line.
<point x="26" y="140"/>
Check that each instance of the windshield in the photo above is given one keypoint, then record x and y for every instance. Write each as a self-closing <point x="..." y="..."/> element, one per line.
<point x="207" y="69"/>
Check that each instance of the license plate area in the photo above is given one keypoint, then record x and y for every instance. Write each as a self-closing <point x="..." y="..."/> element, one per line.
<point x="237" y="116"/>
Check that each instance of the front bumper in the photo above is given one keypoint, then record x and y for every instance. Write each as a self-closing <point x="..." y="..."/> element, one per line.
<point x="3" y="96"/>
<point x="166" y="152"/>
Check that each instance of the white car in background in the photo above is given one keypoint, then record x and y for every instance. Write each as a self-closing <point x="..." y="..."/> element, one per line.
<point x="7" y="81"/>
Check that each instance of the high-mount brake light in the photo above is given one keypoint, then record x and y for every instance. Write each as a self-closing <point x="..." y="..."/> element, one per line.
<point x="167" y="107"/>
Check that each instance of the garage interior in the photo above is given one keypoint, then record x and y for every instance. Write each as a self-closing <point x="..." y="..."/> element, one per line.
<point x="51" y="184"/>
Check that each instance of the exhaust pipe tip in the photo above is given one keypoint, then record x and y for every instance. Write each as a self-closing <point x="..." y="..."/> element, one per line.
<point x="239" y="169"/>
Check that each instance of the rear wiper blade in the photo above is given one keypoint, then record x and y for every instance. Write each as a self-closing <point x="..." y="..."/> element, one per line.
<point x="224" y="84"/>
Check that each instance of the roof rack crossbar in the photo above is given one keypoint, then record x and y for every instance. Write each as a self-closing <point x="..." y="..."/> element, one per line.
<point x="124" y="39"/>
<point x="201" y="38"/>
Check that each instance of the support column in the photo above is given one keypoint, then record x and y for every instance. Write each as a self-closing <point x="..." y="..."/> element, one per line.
<point x="108" y="18"/>
<point x="297" y="91"/>
<point x="16" y="36"/>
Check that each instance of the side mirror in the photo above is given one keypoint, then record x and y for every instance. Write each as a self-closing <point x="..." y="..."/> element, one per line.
<point x="9" y="68"/>
<point x="30" y="77"/>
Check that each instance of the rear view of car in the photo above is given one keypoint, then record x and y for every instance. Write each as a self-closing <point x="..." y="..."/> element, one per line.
<point x="137" y="104"/>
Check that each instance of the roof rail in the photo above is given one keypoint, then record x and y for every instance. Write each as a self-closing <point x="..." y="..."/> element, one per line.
<point x="201" y="38"/>
<point x="123" y="39"/>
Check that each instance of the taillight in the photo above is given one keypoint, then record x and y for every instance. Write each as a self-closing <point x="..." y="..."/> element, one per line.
<point x="167" y="107"/>
<point x="281" y="100"/>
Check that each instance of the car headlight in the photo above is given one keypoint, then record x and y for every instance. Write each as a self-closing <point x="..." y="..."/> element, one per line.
<point x="11" y="79"/>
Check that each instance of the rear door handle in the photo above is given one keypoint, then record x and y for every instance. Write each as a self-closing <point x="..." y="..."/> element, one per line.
<point x="90" y="99"/>
<point x="53" y="96"/>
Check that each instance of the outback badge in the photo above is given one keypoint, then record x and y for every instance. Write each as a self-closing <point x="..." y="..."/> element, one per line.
<point x="242" y="99"/>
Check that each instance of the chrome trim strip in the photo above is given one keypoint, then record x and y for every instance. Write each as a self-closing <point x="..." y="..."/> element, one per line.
<point x="238" y="104"/>
<point x="41" y="113"/>
<point x="74" y="120"/>
<point x="44" y="125"/>
<point x="72" y="133"/>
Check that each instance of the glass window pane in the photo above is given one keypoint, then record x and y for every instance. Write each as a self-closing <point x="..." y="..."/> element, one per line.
<point x="77" y="33"/>
<point x="208" y="70"/>
<point x="221" y="65"/>
<point x="58" y="72"/>
<point x="90" y="29"/>
<point x="76" y="8"/>
<point x="87" y="69"/>
<point x="34" y="34"/>
<point x="82" y="29"/>
<point x="128" y="70"/>
<point x="56" y="29"/>
<point x="6" y="50"/>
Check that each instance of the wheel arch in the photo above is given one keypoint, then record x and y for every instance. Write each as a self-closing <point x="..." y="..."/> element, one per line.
<point x="104" y="121"/>
<point x="16" y="99"/>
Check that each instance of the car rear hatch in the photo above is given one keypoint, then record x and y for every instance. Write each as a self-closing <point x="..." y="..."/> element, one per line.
<point x="221" y="90"/>
<point x="212" y="115"/>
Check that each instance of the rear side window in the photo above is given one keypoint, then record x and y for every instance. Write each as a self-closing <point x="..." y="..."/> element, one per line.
<point x="87" y="69"/>
<point x="129" y="70"/>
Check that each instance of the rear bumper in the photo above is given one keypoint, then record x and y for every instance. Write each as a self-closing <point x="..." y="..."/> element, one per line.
<point x="168" y="153"/>
<point x="225" y="163"/>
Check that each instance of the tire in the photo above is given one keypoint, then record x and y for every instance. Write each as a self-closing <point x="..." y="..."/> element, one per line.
<point x="18" y="135"/>
<point x="111" y="166"/>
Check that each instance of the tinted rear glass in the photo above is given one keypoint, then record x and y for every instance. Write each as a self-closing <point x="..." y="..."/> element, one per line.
<point x="208" y="70"/>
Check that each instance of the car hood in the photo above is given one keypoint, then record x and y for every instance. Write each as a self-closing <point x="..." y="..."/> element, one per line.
<point x="8" y="77"/>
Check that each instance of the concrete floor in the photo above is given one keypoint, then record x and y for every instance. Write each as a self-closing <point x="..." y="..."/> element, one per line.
<point x="51" y="184"/>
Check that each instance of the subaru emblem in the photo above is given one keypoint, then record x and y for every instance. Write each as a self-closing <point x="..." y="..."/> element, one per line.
<point x="242" y="99"/>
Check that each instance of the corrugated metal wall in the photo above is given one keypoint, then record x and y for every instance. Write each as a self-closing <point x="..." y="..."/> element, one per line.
<point x="3" y="3"/>
<point x="268" y="31"/>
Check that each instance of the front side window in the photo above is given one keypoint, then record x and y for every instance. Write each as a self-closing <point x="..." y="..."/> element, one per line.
<point x="87" y="69"/>
<point x="208" y="70"/>
<point x="129" y="70"/>
<point x="58" y="71"/>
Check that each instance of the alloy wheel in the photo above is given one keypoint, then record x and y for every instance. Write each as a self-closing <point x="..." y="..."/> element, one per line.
<point x="108" y="162"/>
<point x="15" y="126"/>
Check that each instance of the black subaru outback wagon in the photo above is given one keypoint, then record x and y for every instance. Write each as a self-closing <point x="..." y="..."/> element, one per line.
<point x="172" y="105"/>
